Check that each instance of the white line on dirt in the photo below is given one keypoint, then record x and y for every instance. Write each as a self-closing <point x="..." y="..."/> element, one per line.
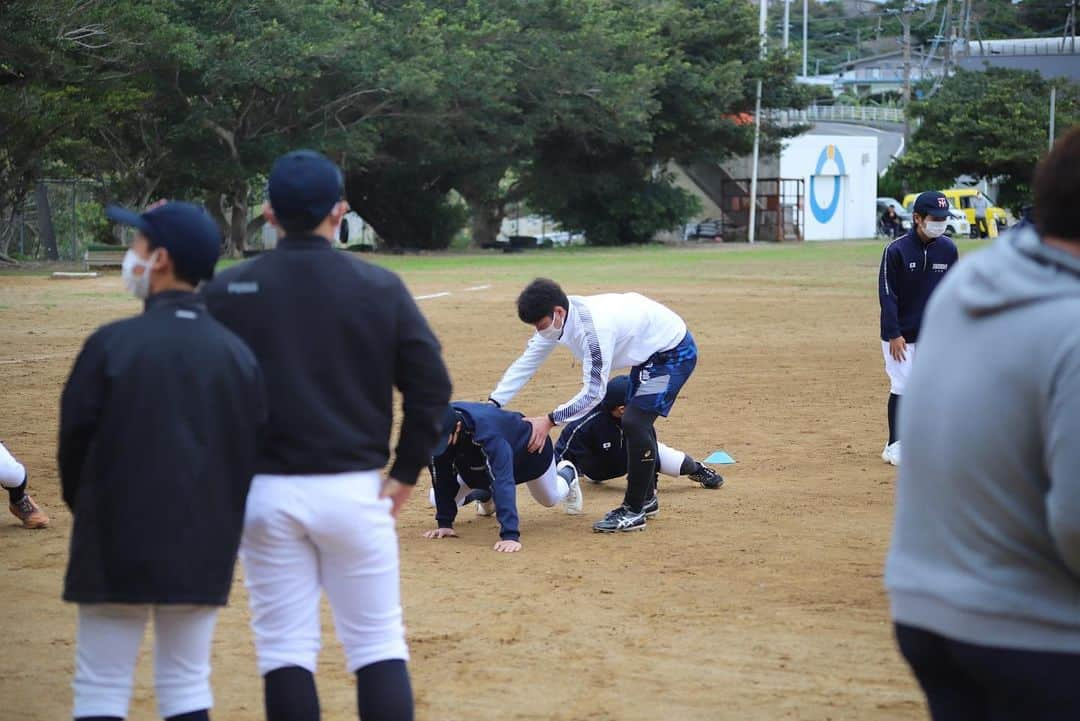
<point x="432" y="295"/>
<point x="476" y="288"/>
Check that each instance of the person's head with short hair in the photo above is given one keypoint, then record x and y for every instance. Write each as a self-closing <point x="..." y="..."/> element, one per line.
<point x="1057" y="186"/>
<point x="929" y="214"/>
<point x="306" y="195"/>
<point x="176" y="247"/>
<point x="544" y="305"/>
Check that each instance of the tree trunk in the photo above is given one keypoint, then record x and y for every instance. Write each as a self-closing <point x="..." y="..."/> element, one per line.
<point x="45" y="224"/>
<point x="214" y="203"/>
<point x="239" y="219"/>
<point x="485" y="221"/>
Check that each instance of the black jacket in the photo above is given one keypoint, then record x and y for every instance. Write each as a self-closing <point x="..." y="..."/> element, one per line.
<point x="158" y="435"/>
<point x="595" y="445"/>
<point x="334" y="335"/>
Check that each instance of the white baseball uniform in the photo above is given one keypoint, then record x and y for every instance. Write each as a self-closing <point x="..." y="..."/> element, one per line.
<point x="12" y="473"/>
<point x="333" y="531"/>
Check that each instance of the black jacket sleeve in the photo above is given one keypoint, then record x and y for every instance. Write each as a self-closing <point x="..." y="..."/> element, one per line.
<point x="80" y="407"/>
<point x="444" y="481"/>
<point x="424" y="382"/>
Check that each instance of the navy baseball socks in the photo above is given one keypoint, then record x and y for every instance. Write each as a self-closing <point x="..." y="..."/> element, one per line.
<point x="698" y="472"/>
<point x="383" y="693"/>
<point x="17" y="493"/>
<point x="289" y="695"/>
<point x="894" y="401"/>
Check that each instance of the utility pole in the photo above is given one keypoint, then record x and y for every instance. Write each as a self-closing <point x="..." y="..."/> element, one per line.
<point x="1069" y="32"/>
<point x="787" y="22"/>
<point x="1053" y="111"/>
<point x="905" y="21"/>
<point x="751" y="232"/>
<point x="805" y="20"/>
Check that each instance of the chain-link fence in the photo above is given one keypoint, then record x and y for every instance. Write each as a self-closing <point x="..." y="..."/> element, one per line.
<point x="67" y="208"/>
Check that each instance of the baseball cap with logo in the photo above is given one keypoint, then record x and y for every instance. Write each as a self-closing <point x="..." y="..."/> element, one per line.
<point x="304" y="186"/>
<point x="187" y="231"/>
<point x="932" y="203"/>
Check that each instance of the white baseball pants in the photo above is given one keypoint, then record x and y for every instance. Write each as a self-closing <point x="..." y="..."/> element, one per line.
<point x="107" y="649"/>
<point x="670" y="460"/>
<point x="898" y="370"/>
<point x="12" y="473"/>
<point x="547" y="490"/>
<point x="307" y="534"/>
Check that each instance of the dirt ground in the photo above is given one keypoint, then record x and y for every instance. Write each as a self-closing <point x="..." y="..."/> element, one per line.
<point x="760" y="601"/>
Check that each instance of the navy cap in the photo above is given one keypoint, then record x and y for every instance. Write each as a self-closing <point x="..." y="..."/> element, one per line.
<point x="615" y="396"/>
<point x="446" y="427"/>
<point x="931" y="203"/>
<point x="304" y="186"/>
<point x="192" y="238"/>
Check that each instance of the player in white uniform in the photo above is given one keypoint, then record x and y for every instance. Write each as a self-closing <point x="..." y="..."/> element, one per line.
<point x="13" y="479"/>
<point x="334" y="336"/>
<point x="614" y="330"/>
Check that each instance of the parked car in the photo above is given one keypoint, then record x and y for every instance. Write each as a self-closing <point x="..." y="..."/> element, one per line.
<point x="960" y="202"/>
<point x="905" y="215"/>
<point x="709" y="228"/>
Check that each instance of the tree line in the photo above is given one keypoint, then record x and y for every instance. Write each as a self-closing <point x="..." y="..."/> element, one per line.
<point x="441" y="113"/>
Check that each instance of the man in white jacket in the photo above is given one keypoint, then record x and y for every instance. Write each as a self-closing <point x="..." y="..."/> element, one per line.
<point x="606" y="332"/>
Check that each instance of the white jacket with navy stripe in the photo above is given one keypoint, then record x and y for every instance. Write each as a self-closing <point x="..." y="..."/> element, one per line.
<point x="604" y="332"/>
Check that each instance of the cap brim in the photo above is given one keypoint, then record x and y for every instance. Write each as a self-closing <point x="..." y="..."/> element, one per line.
<point x="446" y="429"/>
<point x="123" y="216"/>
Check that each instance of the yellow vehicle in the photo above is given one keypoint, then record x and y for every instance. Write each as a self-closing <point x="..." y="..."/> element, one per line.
<point x="960" y="200"/>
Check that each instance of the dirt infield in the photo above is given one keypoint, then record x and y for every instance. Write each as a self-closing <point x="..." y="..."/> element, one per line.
<point x="760" y="601"/>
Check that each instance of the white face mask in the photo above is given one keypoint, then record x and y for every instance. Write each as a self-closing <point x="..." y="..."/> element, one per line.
<point x="137" y="285"/>
<point x="552" y="332"/>
<point x="934" y="228"/>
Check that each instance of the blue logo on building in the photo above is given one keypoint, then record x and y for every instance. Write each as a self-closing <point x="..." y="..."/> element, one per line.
<point x="824" y="215"/>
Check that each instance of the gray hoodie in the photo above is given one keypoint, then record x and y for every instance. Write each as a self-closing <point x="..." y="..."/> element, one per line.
<point x="986" y="547"/>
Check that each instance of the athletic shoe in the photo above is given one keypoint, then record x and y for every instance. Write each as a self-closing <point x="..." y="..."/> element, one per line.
<point x="485" y="508"/>
<point x="620" y="519"/>
<point x="891" y="454"/>
<point x="651" y="507"/>
<point x="574" y="498"/>
<point x="707" y="477"/>
<point x="28" y="512"/>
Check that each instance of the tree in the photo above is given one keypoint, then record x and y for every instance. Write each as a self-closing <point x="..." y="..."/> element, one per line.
<point x="989" y="125"/>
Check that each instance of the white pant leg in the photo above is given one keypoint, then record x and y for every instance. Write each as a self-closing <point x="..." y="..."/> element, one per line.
<point x="358" y="562"/>
<point x="106" y="650"/>
<point x="463" y="491"/>
<point x="670" y="459"/>
<point x="550" y="488"/>
<point x="182" y="637"/>
<point x="281" y="571"/>
<point x="898" y="371"/>
<point x="12" y="473"/>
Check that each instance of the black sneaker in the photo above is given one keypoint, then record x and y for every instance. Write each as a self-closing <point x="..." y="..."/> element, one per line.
<point x="707" y="477"/>
<point x="651" y="507"/>
<point x="621" y="519"/>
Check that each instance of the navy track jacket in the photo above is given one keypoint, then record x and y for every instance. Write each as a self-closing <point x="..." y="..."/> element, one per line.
<point x="493" y="452"/>
<point x="910" y="271"/>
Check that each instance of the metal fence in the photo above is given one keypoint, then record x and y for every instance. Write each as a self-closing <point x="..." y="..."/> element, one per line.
<point x="74" y="215"/>
<point x="837" y="114"/>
